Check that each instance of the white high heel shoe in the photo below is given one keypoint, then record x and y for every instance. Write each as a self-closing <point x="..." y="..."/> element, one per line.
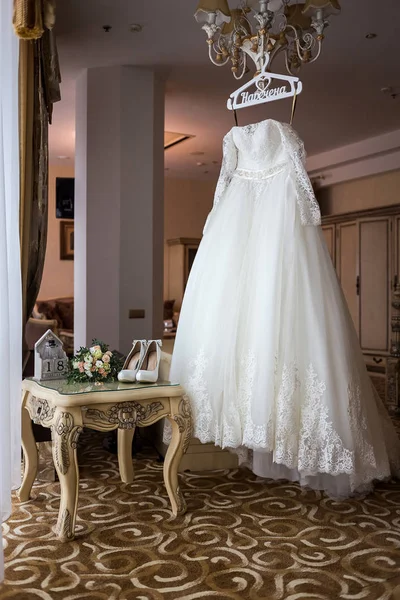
<point x="148" y="372"/>
<point x="133" y="362"/>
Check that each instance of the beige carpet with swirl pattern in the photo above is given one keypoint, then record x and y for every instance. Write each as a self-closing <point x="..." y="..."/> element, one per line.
<point x="242" y="538"/>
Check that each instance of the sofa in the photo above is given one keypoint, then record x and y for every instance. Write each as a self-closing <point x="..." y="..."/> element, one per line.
<point x="56" y="314"/>
<point x="171" y="318"/>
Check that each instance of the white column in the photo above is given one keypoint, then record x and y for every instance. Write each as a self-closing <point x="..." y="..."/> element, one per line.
<point x="119" y="204"/>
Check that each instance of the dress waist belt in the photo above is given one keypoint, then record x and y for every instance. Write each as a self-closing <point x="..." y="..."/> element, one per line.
<point x="257" y="175"/>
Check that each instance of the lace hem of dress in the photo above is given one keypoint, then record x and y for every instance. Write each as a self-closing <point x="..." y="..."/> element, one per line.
<point x="299" y="432"/>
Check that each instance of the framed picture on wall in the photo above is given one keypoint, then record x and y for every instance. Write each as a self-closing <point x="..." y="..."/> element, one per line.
<point x="67" y="241"/>
<point x="65" y="197"/>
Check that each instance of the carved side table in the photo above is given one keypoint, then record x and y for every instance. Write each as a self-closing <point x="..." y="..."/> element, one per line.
<point x="67" y="408"/>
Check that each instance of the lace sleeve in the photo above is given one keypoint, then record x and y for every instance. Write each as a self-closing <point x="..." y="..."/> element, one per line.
<point x="310" y="213"/>
<point x="229" y="161"/>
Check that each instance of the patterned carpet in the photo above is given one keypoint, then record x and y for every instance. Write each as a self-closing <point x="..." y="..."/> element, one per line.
<point x="242" y="538"/>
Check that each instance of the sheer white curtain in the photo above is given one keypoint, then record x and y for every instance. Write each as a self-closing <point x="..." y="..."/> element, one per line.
<point x="10" y="280"/>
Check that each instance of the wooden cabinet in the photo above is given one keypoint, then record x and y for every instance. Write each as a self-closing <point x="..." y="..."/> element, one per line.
<point x="347" y="266"/>
<point x="329" y="235"/>
<point x="374" y="288"/>
<point x="366" y="255"/>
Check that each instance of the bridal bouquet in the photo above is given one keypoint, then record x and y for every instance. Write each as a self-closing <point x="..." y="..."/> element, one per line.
<point x="94" y="364"/>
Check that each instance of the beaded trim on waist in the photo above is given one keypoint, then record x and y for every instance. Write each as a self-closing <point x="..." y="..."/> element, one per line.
<point x="258" y="175"/>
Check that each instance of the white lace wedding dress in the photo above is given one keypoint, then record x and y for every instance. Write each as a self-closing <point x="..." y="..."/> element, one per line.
<point x="266" y="349"/>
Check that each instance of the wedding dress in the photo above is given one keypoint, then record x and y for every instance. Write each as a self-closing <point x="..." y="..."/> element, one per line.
<point x="266" y="349"/>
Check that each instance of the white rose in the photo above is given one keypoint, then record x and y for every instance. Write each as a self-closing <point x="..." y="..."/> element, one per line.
<point x="89" y="374"/>
<point x="99" y="364"/>
<point x="75" y="364"/>
<point x="87" y="366"/>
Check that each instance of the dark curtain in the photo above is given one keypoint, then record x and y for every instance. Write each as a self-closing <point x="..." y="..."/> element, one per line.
<point x="39" y="89"/>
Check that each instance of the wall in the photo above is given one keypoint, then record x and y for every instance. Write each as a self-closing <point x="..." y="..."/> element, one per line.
<point x="361" y="194"/>
<point x="58" y="275"/>
<point x="187" y="204"/>
<point x="119" y="191"/>
<point x="368" y="157"/>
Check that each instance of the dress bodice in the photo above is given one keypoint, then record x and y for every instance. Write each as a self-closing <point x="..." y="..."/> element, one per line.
<point x="262" y="147"/>
<point x="259" y="146"/>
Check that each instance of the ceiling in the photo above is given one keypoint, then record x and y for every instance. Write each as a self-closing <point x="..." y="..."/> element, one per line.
<point x="341" y="100"/>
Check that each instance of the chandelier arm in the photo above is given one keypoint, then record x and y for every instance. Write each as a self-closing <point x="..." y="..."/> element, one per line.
<point x="318" y="53"/>
<point x="243" y="67"/>
<point x="263" y="37"/>
<point x="247" y="20"/>
<point x="242" y="40"/>
<point x="296" y="35"/>
<point x="297" y="41"/>
<point x="289" y="70"/>
<point x="278" y="48"/>
<point x="212" y="59"/>
<point x="309" y="60"/>
<point x="217" y="45"/>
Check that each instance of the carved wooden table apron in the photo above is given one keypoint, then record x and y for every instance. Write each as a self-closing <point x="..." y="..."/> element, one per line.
<point x="66" y="409"/>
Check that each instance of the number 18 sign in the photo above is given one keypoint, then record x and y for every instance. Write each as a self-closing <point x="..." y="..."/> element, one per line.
<point x="51" y="362"/>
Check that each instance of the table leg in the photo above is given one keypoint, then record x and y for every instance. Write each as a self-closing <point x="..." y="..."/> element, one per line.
<point x="181" y="422"/>
<point x="30" y="453"/>
<point x="125" y="439"/>
<point x="67" y="426"/>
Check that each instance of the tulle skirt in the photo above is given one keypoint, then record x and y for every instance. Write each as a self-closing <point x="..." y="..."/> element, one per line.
<point x="267" y="352"/>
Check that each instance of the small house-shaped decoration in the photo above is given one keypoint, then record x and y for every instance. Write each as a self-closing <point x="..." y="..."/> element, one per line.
<point x="51" y="362"/>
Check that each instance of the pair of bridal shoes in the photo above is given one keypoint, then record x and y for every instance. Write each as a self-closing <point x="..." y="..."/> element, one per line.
<point x="142" y="363"/>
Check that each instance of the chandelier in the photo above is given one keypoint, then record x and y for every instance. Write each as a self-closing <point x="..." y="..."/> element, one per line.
<point x="295" y="29"/>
